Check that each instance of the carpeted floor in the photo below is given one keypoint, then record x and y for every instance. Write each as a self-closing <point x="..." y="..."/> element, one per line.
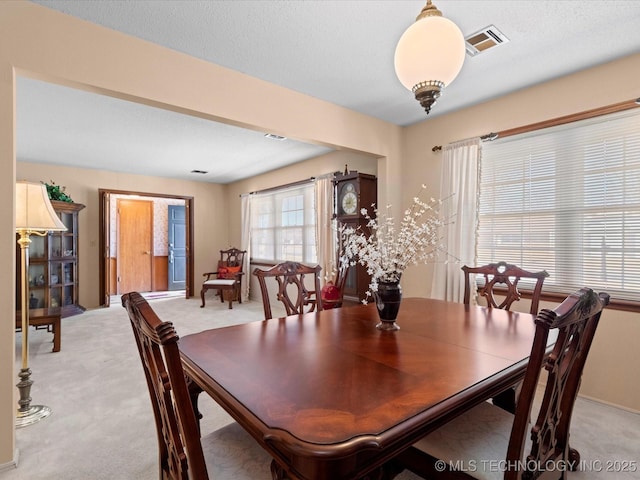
<point x="102" y="425"/>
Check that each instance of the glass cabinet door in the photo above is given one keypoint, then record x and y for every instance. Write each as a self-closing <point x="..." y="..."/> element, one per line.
<point x="53" y="265"/>
<point x="37" y="248"/>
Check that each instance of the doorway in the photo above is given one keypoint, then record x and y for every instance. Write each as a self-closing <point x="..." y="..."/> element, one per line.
<point x="134" y="243"/>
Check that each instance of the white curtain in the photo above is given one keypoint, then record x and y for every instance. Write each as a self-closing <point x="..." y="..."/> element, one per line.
<point x="325" y="229"/>
<point x="459" y="189"/>
<point x="245" y="244"/>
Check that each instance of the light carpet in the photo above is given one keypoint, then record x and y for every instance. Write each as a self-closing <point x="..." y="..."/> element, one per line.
<point x="102" y="426"/>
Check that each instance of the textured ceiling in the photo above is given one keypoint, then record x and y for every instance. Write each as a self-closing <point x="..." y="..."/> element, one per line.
<point x="340" y="51"/>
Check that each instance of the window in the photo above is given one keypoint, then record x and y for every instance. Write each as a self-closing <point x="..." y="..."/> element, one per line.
<point x="283" y="225"/>
<point x="567" y="200"/>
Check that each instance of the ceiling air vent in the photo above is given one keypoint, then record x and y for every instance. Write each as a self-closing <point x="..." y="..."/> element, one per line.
<point x="273" y="136"/>
<point x="484" y="39"/>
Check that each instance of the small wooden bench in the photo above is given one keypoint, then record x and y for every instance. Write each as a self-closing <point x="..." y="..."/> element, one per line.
<point x="43" y="317"/>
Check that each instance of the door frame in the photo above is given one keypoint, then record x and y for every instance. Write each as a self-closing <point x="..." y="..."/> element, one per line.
<point x="103" y="196"/>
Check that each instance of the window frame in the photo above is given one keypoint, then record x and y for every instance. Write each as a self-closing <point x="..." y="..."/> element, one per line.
<point x="628" y="304"/>
<point x="272" y="202"/>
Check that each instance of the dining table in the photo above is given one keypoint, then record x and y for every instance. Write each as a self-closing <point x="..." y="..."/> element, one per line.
<point x="331" y="397"/>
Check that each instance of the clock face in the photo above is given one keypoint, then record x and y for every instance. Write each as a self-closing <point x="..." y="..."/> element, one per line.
<point x="349" y="200"/>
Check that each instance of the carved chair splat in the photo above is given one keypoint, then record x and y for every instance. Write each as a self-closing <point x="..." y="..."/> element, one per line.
<point x="505" y="275"/>
<point x="292" y="290"/>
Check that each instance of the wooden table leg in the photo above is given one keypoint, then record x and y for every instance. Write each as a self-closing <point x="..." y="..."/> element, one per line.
<point x="56" y="334"/>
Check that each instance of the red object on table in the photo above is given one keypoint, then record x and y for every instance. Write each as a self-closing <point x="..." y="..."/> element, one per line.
<point x="330" y="295"/>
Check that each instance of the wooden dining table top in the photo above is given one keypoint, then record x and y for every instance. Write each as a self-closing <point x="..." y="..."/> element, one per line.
<point x="330" y="396"/>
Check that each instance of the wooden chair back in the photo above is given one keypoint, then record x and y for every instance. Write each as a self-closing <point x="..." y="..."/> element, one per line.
<point x="292" y="291"/>
<point x="232" y="257"/>
<point x="575" y="320"/>
<point x="504" y="275"/>
<point x="180" y="450"/>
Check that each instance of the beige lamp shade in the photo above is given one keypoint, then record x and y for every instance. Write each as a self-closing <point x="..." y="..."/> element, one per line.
<point x="34" y="211"/>
<point x="429" y="55"/>
<point x="431" y="49"/>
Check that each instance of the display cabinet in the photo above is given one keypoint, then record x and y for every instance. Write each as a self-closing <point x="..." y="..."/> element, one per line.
<point x="53" y="265"/>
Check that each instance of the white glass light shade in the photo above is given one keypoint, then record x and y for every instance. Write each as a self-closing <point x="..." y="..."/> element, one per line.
<point x="432" y="49"/>
<point x="34" y="211"/>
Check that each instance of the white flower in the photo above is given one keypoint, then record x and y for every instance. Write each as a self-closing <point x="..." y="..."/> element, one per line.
<point x="385" y="251"/>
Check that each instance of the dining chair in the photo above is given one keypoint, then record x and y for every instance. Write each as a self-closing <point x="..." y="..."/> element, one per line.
<point x="228" y="453"/>
<point x="487" y="442"/>
<point x="292" y="288"/>
<point x="227" y="278"/>
<point x="503" y="275"/>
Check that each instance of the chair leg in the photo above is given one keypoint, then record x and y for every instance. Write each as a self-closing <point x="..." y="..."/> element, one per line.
<point x="506" y="400"/>
<point x="202" y="296"/>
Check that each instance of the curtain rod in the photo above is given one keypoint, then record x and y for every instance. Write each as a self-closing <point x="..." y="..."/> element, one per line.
<point x="286" y="185"/>
<point x="484" y="138"/>
<point x="292" y="184"/>
<point x="574" y="117"/>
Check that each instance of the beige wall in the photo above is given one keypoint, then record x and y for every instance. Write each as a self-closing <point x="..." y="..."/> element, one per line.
<point x="83" y="184"/>
<point x="209" y="238"/>
<point x="35" y="41"/>
<point x="615" y="344"/>
<point x="44" y="44"/>
<point x="331" y="162"/>
<point x="8" y="375"/>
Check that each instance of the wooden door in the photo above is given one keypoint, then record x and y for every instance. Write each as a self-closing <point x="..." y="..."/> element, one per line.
<point x="135" y="245"/>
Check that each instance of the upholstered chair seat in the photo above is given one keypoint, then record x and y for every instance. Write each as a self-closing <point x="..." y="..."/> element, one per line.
<point x="475" y="442"/>
<point x="231" y="454"/>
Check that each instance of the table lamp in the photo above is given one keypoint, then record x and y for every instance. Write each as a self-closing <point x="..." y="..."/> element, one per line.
<point x="34" y="216"/>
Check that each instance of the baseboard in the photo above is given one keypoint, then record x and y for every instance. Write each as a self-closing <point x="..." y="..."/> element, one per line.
<point x="609" y="404"/>
<point x="13" y="464"/>
<point x="542" y="384"/>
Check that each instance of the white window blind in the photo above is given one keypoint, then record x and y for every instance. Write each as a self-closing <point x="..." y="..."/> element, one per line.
<point x="283" y="225"/>
<point x="566" y="199"/>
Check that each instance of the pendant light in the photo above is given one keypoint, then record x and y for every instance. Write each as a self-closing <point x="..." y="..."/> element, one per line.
<point x="429" y="55"/>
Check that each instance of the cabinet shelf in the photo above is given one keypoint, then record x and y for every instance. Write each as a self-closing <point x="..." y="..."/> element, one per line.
<point x="53" y="265"/>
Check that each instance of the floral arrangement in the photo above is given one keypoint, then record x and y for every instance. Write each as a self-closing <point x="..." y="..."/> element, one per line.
<point x="386" y="250"/>
<point x="56" y="192"/>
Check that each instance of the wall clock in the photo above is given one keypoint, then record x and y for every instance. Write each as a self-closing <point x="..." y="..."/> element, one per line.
<point x="349" y="202"/>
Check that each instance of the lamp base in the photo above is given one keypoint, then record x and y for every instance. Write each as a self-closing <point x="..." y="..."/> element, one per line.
<point x="28" y="414"/>
<point x="33" y="414"/>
